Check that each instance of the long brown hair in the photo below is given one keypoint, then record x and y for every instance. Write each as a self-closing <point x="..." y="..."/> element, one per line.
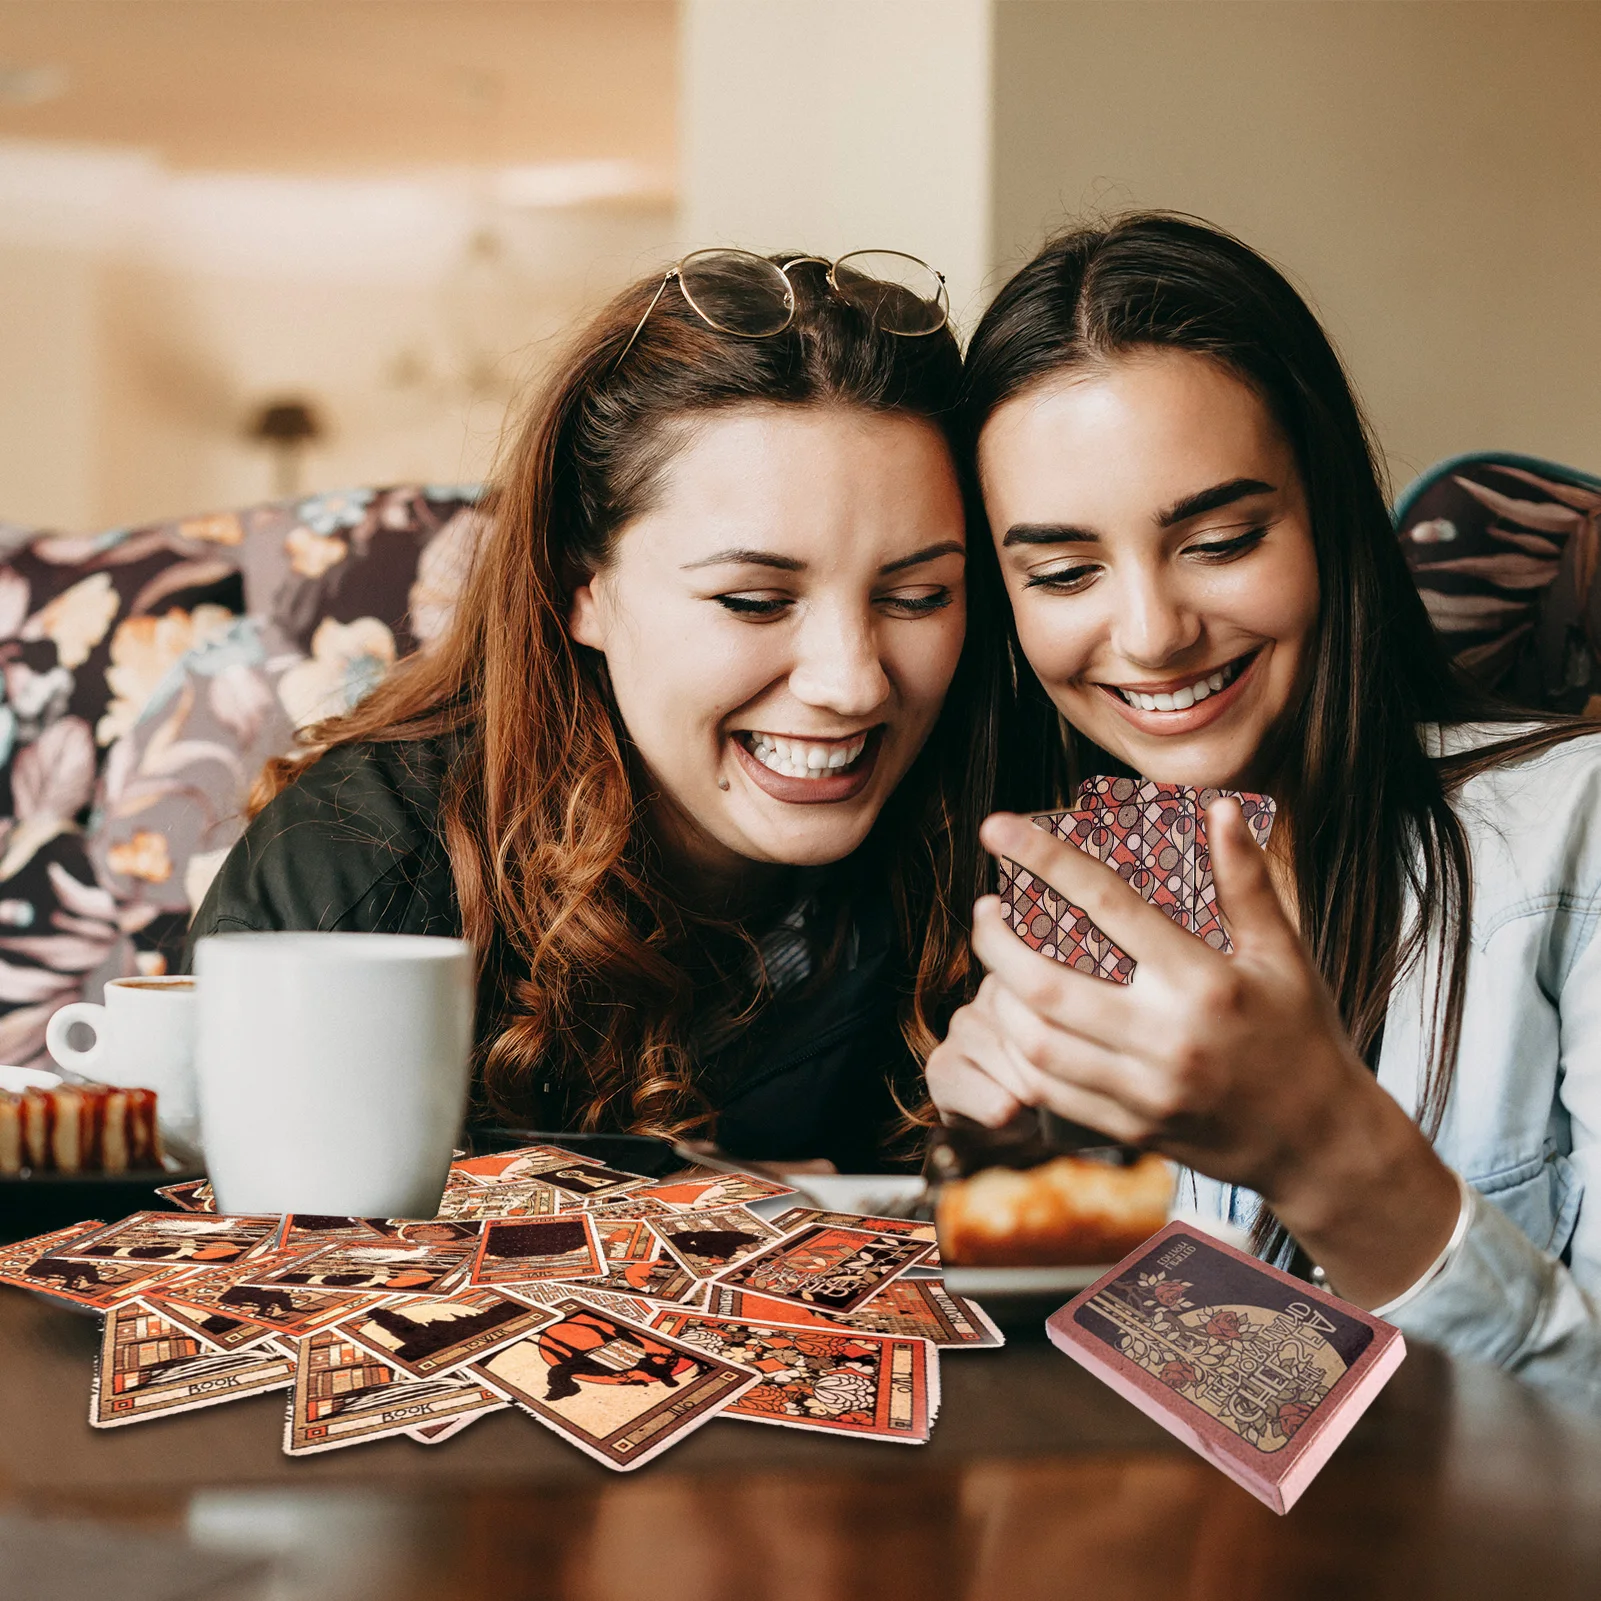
<point x="588" y="965"/>
<point x="1367" y="806"/>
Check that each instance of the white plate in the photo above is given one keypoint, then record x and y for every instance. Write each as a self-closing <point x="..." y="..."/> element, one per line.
<point x="981" y="1281"/>
<point x="862" y="1193"/>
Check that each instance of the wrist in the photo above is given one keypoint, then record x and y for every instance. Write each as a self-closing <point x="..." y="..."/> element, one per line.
<point x="1365" y="1148"/>
<point x="1371" y="1202"/>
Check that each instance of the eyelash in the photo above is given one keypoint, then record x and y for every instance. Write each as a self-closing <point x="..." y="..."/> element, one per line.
<point x="1064" y="580"/>
<point x="762" y="610"/>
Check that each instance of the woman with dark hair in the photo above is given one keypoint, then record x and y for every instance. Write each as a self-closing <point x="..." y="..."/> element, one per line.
<point x="1398" y="1069"/>
<point x="671" y="771"/>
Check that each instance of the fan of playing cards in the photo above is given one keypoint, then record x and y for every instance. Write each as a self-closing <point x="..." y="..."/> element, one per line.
<point x="1154" y="837"/>
<point x="622" y="1312"/>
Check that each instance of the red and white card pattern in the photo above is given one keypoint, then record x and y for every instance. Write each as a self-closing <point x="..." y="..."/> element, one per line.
<point x="621" y="1312"/>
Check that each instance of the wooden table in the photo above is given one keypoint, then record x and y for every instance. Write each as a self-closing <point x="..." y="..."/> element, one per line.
<point x="1040" y="1482"/>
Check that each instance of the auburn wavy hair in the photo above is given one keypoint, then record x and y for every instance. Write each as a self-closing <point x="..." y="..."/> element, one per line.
<point x="588" y="967"/>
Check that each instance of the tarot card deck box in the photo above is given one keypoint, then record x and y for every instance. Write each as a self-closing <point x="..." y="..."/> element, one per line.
<point x="1261" y="1373"/>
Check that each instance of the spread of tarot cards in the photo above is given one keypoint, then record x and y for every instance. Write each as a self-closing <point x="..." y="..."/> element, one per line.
<point x="622" y="1312"/>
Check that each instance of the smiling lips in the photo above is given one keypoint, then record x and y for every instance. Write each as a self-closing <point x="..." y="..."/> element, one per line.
<point x="808" y="770"/>
<point x="1184" y="704"/>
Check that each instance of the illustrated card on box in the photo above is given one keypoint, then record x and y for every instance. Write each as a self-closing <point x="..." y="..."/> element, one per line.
<point x="1261" y="1373"/>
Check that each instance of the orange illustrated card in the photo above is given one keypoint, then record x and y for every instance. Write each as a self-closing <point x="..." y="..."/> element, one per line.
<point x="100" y="1285"/>
<point x="797" y="1217"/>
<point x="529" y="1250"/>
<point x="636" y="1263"/>
<point x="617" y="1390"/>
<point x="701" y="1192"/>
<point x="842" y="1381"/>
<point x="827" y="1268"/>
<point x="173" y="1237"/>
<point x="344" y="1395"/>
<point x="290" y="1309"/>
<point x="371" y="1264"/>
<point x="527" y="1162"/>
<point x="921" y="1308"/>
<point x="423" y="1336"/>
<point x="708" y="1242"/>
<point x="150" y="1368"/>
<point x="215" y="1331"/>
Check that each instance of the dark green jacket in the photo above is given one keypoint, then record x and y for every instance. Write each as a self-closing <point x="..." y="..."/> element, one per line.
<point x="354" y="845"/>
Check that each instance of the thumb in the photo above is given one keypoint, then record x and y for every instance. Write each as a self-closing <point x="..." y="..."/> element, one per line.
<point x="1249" y="904"/>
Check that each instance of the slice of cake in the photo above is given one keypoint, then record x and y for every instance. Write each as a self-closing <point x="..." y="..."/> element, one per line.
<point x="79" y="1128"/>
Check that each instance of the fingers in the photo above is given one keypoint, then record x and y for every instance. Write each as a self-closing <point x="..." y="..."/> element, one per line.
<point x="1121" y="1087"/>
<point x="1112" y="906"/>
<point x="1089" y="1006"/>
<point x="973" y="1072"/>
<point x="1245" y="894"/>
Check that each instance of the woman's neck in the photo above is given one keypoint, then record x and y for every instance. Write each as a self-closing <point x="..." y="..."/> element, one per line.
<point x="709" y="880"/>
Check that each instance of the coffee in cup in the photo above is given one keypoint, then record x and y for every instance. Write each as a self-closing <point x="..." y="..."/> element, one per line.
<point x="143" y="1039"/>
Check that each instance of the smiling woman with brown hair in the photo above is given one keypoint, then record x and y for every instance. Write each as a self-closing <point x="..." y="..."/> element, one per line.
<point x="672" y="771"/>
<point x="1402" y="1056"/>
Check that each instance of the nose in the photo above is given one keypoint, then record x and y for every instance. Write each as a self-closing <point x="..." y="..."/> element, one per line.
<point x="1151" y="624"/>
<point x="839" y="666"/>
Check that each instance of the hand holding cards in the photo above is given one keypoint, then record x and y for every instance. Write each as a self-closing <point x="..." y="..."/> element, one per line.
<point x="1154" y="837"/>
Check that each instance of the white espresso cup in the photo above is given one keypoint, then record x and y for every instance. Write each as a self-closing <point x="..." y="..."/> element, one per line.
<point x="143" y="1039"/>
<point x="333" y="1070"/>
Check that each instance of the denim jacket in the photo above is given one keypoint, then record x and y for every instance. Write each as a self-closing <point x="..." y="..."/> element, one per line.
<point x="1523" y="1121"/>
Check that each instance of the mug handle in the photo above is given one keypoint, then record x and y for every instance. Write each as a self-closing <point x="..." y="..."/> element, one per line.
<point x="66" y="1054"/>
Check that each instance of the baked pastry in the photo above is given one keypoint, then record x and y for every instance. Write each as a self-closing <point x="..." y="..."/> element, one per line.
<point x="1066" y="1212"/>
<point x="79" y="1128"/>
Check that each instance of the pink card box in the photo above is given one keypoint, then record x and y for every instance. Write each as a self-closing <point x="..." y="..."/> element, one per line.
<point x="1259" y="1372"/>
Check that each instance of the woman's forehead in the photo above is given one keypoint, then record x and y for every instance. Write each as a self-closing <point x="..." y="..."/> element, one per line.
<point x="810" y="478"/>
<point x="1142" y="430"/>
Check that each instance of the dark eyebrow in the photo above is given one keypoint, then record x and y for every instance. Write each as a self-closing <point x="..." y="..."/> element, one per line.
<point x="747" y="558"/>
<point x="1213" y="499"/>
<point x="948" y="547"/>
<point x="1048" y="534"/>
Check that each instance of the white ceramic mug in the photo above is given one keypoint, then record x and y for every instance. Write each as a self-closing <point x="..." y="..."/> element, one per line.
<point x="333" y="1069"/>
<point x="144" y="1038"/>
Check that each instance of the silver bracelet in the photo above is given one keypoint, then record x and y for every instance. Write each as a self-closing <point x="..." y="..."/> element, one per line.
<point x="1464" y="1218"/>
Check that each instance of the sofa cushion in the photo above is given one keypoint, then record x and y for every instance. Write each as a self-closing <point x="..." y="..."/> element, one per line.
<point x="147" y="675"/>
<point x="1504" y="550"/>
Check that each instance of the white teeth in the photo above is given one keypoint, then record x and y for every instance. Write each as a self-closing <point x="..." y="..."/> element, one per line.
<point x="1180" y="700"/>
<point x="794" y="758"/>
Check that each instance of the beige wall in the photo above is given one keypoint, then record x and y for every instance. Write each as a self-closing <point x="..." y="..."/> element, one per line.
<point x="1429" y="173"/>
<point x="836" y="125"/>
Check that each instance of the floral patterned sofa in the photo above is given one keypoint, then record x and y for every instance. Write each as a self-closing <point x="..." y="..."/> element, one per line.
<point x="148" y="673"/>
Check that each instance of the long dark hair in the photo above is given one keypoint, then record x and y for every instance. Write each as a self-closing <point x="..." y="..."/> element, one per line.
<point x="1367" y="806"/>
<point x="591" y="970"/>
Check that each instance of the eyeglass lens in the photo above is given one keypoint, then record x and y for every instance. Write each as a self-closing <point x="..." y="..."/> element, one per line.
<point x="737" y="293"/>
<point x="900" y="293"/>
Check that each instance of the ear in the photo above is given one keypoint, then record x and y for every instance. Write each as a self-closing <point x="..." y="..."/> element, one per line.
<point x="583" y="617"/>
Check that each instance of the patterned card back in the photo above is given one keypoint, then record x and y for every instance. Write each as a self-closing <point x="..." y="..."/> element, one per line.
<point x="1153" y="836"/>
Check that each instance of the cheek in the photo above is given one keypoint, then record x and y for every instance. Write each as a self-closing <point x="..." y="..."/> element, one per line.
<point x="923" y="661"/>
<point x="1057" y="634"/>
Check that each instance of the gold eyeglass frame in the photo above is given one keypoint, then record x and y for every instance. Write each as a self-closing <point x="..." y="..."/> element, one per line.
<point x="941" y="301"/>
